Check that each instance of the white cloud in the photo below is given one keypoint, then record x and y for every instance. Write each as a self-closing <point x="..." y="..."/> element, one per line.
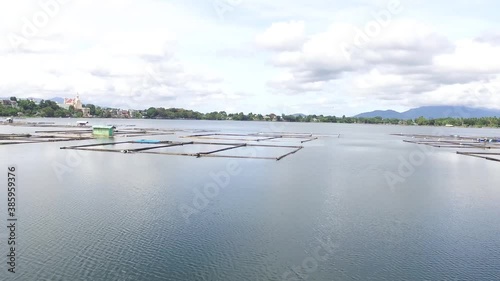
<point x="170" y="53"/>
<point x="407" y="63"/>
<point x="471" y="56"/>
<point x="282" y="36"/>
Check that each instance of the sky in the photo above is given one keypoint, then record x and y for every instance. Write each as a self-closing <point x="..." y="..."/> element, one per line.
<point x="281" y="56"/>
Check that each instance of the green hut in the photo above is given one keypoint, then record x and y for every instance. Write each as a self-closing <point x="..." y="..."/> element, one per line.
<point x="103" y="131"/>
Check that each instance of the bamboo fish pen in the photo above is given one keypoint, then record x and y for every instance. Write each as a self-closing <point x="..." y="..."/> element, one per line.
<point x="459" y="142"/>
<point x="149" y="146"/>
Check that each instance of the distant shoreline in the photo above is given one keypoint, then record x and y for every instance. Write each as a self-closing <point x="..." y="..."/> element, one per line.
<point x="16" y="121"/>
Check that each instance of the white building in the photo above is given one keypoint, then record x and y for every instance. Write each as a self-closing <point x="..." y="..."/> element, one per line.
<point x="76" y="103"/>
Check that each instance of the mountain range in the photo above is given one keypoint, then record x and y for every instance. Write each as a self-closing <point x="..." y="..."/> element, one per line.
<point x="434" y="112"/>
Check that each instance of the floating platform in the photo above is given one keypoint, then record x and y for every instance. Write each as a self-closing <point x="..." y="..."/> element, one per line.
<point x="256" y="137"/>
<point x="480" y="143"/>
<point x="6" y="139"/>
<point x="199" y="143"/>
<point x="492" y="156"/>
<point x="74" y="135"/>
<point x="215" y="149"/>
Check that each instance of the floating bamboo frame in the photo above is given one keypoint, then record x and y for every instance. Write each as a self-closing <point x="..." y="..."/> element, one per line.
<point x="165" y="144"/>
<point x="74" y="135"/>
<point x="134" y="132"/>
<point x="461" y="142"/>
<point x="28" y="138"/>
<point x="259" y="136"/>
<point x="482" y="155"/>
<point x="455" y="144"/>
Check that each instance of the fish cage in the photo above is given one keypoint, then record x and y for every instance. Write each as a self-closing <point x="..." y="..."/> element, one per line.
<point x="74" y="135"/>
<point x="194" y="148"/>
<point x="257" y="137"/>
<point x="492" y="156"/>
<point x="9" y="139"/>
<point x="480" y="144"/>
<point x="129" y="132"/>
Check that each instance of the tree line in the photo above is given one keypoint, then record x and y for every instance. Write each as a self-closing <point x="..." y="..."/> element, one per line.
<point x="47" y="108"/>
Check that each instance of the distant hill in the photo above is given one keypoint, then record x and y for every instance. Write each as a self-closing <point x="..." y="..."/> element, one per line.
<point x="58" y="100"/>
<point x="434" y="112"/>
<point x="381" y="113"/>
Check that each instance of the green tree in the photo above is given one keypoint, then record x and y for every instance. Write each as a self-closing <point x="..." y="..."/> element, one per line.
<point x="151" y="112"/>
<point x="47" y="112"/>
<point x="421" y="121"/>
<point x="28" y="107"/>
<point x="98" y="112"/>
<point x="137" y="115"/>
<point x="60" y="113"/>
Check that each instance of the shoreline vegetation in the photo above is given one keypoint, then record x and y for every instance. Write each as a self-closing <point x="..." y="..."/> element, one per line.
<point x="47" y="108"/>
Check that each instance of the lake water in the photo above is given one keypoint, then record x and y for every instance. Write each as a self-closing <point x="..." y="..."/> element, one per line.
<point x="327" y="212"/>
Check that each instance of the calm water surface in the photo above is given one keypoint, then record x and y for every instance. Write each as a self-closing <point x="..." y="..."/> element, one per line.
<point x="111" y="216"/>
